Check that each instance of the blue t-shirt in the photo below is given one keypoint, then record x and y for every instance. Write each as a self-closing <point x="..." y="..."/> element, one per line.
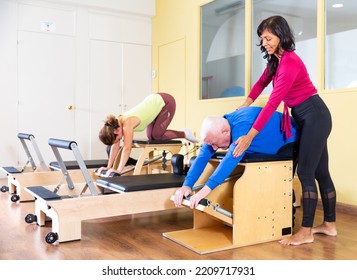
<point x="269" y="140"/>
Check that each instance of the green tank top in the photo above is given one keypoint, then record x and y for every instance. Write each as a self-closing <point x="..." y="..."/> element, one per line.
<point x="147" y="110"/>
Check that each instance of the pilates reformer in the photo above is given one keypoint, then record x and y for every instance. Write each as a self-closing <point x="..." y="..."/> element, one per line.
<point x="30" y="165"/>
<point x="17" y="181"/>
<point x="253" y="206"/>
<point x="18" y="178"/>
<point x="107" y="197"/>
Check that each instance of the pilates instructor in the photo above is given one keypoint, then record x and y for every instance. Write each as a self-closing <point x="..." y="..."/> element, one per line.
<point x="154" y="114"/>
<point x="293" y="87"/>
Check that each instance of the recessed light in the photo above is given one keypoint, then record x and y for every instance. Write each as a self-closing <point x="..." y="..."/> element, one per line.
<point x="339" y="5"/>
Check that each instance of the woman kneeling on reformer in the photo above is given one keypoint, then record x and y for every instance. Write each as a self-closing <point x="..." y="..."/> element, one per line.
<point x="154" y="114"/>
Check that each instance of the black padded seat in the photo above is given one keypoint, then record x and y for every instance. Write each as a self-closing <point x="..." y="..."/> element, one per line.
<point x="287" y="152"/>
<point x="152" y="142"/>
<point x="73" y="164"/>
<point x="44" y="193"/>
<point x="143" y="182"/>
<point x="256" y="157"/>
<point x="11" y="170"/>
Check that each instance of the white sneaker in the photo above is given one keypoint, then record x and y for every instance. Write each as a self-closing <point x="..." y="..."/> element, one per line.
<point x="189" y="136"/>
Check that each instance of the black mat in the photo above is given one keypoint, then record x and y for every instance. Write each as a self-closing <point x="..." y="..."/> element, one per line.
<point x="11" y="170"/>
<point x="44" y="193"/>
<point x="132" y="183"/>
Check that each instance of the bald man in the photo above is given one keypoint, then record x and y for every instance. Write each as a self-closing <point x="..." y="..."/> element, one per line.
<point x="219" y="132"/>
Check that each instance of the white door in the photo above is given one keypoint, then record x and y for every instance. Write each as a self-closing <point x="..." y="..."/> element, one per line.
<point x="106" y="84"/>
<point x="137" y="74"/>
<point x="46" y="88"/>
<point x="119" y="79"/>
<point x="172" y="78"/>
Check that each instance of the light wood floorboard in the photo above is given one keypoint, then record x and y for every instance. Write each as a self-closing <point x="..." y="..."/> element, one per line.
<point x="139" y="237"/>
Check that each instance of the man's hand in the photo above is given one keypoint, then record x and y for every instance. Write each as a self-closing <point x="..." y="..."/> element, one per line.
<point x="182" y="192"/>
<point x="196" y="198"/>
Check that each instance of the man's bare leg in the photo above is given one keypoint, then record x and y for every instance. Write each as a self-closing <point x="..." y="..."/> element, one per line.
<point x="303" y="236"/>
<point x="328" y="228"/>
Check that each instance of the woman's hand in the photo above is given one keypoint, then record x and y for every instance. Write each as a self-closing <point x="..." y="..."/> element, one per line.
<point x="246" y="103"/>
<point x="110" y="171"/>
<point x="101" y="169"/>
<point x="243" y="144"/>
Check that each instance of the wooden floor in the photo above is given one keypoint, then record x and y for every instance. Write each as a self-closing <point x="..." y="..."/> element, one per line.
<point x="139" y="237"/>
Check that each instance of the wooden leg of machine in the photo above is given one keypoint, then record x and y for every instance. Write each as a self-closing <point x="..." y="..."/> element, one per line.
<point x="67" y="214"/>
<point x="148" y="154"/>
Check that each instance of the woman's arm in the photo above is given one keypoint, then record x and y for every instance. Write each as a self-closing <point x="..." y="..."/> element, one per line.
<point x="128" y="125"/>
<point x="246" y="103"/>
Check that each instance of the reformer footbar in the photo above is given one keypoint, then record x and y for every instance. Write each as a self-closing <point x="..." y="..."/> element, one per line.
<point x="128" y="169"/>
<point x="53" y="180"/>
<point x="71" y="145"/>
<point x="24" y="137"/>
<point x="41" y="174"/>
<point x="115" y="196"/>
<point x="11" y="170"/>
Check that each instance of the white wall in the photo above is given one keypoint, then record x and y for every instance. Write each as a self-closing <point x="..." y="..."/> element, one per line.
<point x="128" y="22"/>
<point x="8" y="82"/>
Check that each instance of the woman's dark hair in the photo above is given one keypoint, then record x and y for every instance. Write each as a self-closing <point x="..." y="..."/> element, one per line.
<point x="106" y="134"/>
<point x="278" y="26"/>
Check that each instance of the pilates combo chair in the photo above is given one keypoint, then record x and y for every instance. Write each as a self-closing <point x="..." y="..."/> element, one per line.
<point x="104" y="198"/>
<point x="252" y="206"/>
<point x="20" y="177"/>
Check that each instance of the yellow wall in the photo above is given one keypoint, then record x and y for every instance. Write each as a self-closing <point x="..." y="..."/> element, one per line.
<point x="180" y="20"/>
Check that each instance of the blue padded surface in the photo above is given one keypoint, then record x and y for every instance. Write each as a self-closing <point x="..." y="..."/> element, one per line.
<point x="132" y="183"/>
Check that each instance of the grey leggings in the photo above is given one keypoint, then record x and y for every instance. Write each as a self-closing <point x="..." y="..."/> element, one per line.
<point x="314" y="121"/>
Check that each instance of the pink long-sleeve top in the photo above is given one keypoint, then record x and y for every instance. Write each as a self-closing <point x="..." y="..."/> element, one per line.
<point x="291" y="84"/>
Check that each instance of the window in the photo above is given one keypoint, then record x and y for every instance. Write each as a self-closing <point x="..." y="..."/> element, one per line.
<point x="222" y="49"/>
<point x="302" y="18"/>
<point x="340" y="46"/>
<point x="223" y="43"/>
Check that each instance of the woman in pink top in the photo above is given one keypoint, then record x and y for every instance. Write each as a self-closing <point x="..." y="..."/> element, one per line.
<point x="293" y="87"/>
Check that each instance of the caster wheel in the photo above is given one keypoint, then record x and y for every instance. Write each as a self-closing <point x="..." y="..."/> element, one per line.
<point x="4" y="189"/>
<point x="15" y="198"/>
<point x="30" y="218"/>
<point x="51" y="237"/>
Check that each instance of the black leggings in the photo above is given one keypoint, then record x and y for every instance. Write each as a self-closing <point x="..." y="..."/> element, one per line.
<point x="314" y="121"/>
